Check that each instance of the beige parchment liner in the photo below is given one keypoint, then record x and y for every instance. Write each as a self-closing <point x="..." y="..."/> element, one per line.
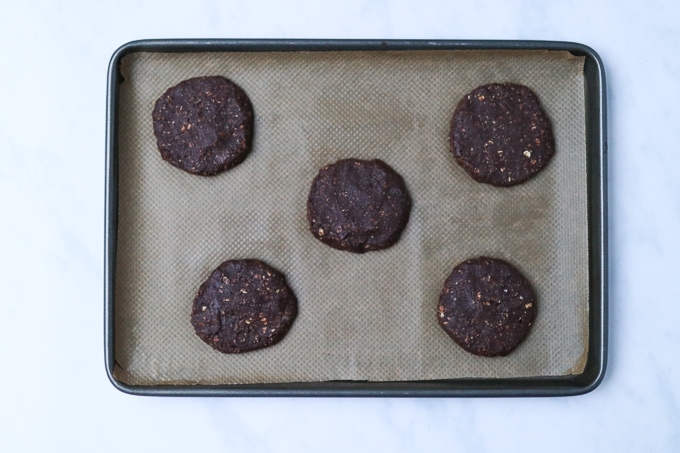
<point x="361" y="317"/>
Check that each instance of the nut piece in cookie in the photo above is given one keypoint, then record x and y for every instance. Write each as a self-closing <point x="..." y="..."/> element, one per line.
<point x="244" y="305"/>
<point x="486" y="306"/>
<point x="501" y="135"/>
<point x="358" y="205"/>
<point x="203" y="125"/>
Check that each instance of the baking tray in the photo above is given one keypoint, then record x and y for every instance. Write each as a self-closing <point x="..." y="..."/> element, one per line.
<point x="590" y="373"/>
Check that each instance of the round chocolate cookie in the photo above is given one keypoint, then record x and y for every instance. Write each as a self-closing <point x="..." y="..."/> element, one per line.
<point x="486" y="306"/>
<point x="501" y="135"/>
<point x="244" y="305"/>
<point x="203" y="125"/>
<point x="358" y="205"/>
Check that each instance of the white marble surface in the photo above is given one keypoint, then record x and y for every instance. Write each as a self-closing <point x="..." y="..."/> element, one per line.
<point x="54" y="393"/>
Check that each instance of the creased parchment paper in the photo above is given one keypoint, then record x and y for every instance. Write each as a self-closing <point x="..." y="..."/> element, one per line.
<point x="361" y="317"/>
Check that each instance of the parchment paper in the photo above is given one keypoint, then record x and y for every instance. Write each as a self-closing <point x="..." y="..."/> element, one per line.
<point x="361" y="317"/>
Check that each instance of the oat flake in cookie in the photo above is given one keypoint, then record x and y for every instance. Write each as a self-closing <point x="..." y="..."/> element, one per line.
<point x="501" y="135"/>
<point x="486" y="306"/>
<point x="203" y="125"/>
<point x="244" y="305"/>
<point x="358" y="205"/>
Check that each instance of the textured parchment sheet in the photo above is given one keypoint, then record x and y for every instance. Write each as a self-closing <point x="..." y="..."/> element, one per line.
<point x="361" y="317"/>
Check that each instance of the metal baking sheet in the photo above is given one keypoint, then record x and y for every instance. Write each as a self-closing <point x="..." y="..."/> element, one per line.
<point x="586" y="378"/>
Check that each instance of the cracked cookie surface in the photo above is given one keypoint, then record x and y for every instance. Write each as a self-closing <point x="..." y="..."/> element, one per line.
<point x="244" y="305"/>
<point x="203" y="125"/>
<point x="358" y="205"/>
<point x="500" y="134"/>
<point x="486" y="306"/>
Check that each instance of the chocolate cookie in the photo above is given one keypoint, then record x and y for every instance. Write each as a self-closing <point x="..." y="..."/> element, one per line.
<point x="358" y="205"/>
<point x="203" y="125"/>
<point x="244" y="305"/>
<point x="501" y="135"/>
<point x="486" y="306"/>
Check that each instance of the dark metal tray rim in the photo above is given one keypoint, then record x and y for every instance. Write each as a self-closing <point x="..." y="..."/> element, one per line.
<point x="596" y="142"/>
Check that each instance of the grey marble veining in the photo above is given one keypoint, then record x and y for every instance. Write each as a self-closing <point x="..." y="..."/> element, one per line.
<point x="55" y="394"/>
